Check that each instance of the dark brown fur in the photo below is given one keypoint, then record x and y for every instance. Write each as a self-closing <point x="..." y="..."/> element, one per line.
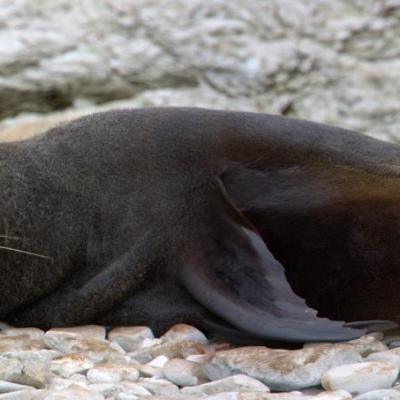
<point x="114" y="205"/>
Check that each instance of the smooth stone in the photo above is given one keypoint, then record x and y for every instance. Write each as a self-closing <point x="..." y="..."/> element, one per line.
<point x="97" y="350"/>
<point x="78" y="378"/>
<point x="389" y="356"/>
<point x="10" y="370"/>
<point x="45" y="355"/>
<point x="282" y="370"/>
<point x="368" y="344"/>
<point x="112" y="373"/>
<point x="35" y="372"/>
<point x="75" y="394"/>
<point x="360" y="378"/>
<point x="169" y="350"/>
<point x="364" y="345"/>
<point x="33" y="333"/>
<point x="150" y="343"/>
<point x="149" y="371"/>
<point x="7" y="387"/>
<point x="57" y="383"/>
<point x="87" y="331"/>
<point x="130" y="338"/>
<point x="106" y="389"/>
<point x="134" y="389"/>
<point x="21" y="342"/>
<point x="159" y="362"/>
<point x="257" y="396"/>
<point x="184" y="333"/>
<point x="126" y="396"/>
<point x="159" y="386"/>
<point x="71" y="364"/>
<point x="238" y="383"/>
<point x="337" y="395"/>
<point x="318" y="392"/>
<point x="27" y="394"/>
<point x="32" y="371"/>
<point x="117" y="347"/>
<point x="183" y="372"/>
<point x="200" y="358"/>
<point x="383" y="394"/>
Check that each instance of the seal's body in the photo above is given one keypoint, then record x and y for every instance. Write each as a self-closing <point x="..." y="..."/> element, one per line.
<point x="160" y="216"/>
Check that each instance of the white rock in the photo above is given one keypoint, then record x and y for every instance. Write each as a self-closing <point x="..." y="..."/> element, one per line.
<point x="27" y="394"/>
<point x="258" y="396"/>
<point x="23" y="355"/>
<point x="33" y="333"/>
<point x="335" y="395"/>
<point x="158" y="386"/>
<point x="169" y="350"/>
<point x="71" y="364"/>
<point x="134" y="389"/>
<point x="183" y="372"/>
<point x="106" y="389"/>
<point x="149" y="371"/>
<point x="200" y="358"/>
<point x="283" y="370"/>
<point x="150" y="343"/>
<point x="126" y="396"/>
<point x="184" y="333"/>
<point x="361" y="377"/>
<point x="27" y="367"/>
<point x="111" y="373"/>
<point x="87" y="331"/>
<point x="75" y="394"/>
<point x="238" y="383"/>
<point x="159" y="362"/>
<point x="57" y="383"/>
<point x="389" y="356"/>
<point x="383" y="394"/>
<point x="18" y="343"/>
<point x="97" y="350"/>
<point x="367" y="344"/>
<point x="10" y="370"/>
<point x="32" y="372"/>
<point x="115" y="346"/>
<point x="130" y="338"/>
<point x="78" y="378"/>
<point x="6" y="387"/>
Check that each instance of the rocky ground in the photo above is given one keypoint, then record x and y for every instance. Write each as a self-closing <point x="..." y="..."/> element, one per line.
<point x="329" y="61"/>
<point x="128" y="363"/>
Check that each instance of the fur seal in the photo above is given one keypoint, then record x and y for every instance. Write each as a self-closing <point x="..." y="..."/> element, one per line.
<point x="230" y="221"/>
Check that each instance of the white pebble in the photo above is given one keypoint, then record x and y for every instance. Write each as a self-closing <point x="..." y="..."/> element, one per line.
<point x="361" y="377"/>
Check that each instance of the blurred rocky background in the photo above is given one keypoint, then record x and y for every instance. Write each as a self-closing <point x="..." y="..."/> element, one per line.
<point x="333" y="61"/>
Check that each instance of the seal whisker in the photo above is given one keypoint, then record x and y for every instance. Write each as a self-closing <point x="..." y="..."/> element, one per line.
<point x="25" y="252"/>
<point x="9" y="237"/>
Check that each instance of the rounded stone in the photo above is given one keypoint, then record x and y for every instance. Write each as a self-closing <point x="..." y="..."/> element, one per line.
<point x="112" y="373"/>
<point x="182" y="372"/>
<point x="361" y="377"/>
<point x="130" y="338"/>
<point x="384" y="394"/>
<point x="184" y="333"/>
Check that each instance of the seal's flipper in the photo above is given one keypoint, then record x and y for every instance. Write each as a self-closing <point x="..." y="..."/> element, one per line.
<point x="233" y="274"/>
<point x="373" y="326"/>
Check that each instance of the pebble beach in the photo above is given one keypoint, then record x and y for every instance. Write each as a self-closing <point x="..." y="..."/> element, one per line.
<point x="129" y="363"/>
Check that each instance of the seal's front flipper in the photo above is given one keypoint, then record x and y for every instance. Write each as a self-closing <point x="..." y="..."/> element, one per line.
<point x="231" y="272"/>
